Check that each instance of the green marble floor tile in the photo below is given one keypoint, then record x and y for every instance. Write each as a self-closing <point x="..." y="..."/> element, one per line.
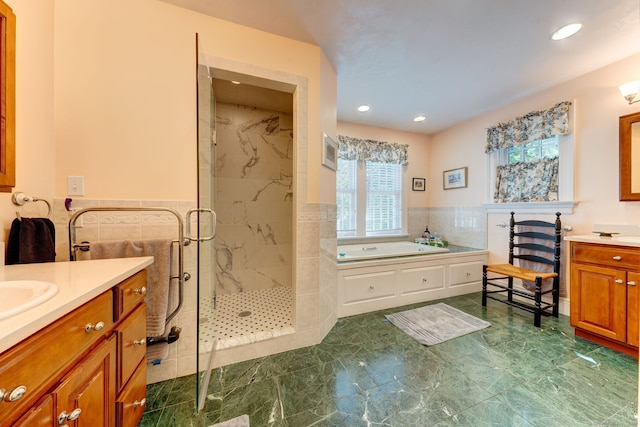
<point x="243" y="373"/>
<point x="181" y="415"/>
<point x="493" y="412"/>
<point x="158" y="394"/>
<point x="307" y="389"/>
<point x="182" y="390"/>
<point x="150" y="418"/>
<point x="367" y="372"/>
<point x="260" y="401"/>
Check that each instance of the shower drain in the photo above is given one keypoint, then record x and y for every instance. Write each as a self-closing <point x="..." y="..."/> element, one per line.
<point x="246" y="313"/>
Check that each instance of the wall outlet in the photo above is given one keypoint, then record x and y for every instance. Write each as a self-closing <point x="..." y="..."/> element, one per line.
<point x="75" y="185"/>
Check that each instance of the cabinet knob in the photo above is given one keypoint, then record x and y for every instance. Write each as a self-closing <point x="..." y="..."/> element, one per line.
<point x="619" y="281"/>
<point x="139" y="342"/>
<point x="140" y="403"/>
<point x="631" y="283"/>
<point x="74" y="414"/>
<point x="140" y="291"/>
<point x="371" y="287"/>
<point x="69" y="417"/>
<point x="13" y="395"/>
<point x="424" y="280"/>
<point x="91" y="327"/>
<point x="617" y="258"/>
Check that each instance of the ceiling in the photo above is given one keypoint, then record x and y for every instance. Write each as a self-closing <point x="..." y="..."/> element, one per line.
<point x="449" y="60"/>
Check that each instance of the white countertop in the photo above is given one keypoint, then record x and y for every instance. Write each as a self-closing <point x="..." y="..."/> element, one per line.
<point x="78" y="282"/>
<point x="617" y="240"/>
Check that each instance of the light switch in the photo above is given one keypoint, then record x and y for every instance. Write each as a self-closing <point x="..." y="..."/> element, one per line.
<point x="75" y="185"/>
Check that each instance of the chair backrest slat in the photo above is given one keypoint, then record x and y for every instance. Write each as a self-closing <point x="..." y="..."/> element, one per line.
<point x="528" y="244"/>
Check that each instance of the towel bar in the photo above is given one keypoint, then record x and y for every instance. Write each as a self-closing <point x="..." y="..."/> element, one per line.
<point x="19" y="199"/>
<point x="181" y="243"/>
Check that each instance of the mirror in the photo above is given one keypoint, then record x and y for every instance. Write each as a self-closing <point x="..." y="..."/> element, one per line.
<point x="629" y="127"/>
<point x="7" y="98"/>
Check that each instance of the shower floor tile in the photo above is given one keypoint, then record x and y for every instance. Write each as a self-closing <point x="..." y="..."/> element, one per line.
<point x="246" y="317"/>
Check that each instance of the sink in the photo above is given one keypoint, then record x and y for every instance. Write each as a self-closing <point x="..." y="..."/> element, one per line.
<point x="629" y="239"/>
<point x="17" y="296"/>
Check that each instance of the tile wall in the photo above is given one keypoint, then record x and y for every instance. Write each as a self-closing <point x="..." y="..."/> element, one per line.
<point x="254" y="198"/>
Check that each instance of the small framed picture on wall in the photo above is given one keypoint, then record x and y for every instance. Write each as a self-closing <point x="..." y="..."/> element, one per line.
<point x="454" y="178"/>
<point x="329" y="152"/>
<point x="418" y="184"/>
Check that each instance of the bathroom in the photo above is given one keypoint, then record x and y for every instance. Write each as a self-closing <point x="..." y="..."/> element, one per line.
<point x="99" y="106"/>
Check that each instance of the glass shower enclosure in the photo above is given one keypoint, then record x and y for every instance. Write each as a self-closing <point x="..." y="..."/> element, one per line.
<point x="205" y="218"/>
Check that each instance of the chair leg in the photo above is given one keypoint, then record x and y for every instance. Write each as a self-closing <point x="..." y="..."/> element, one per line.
<point x="556" y="297"/>
<point x="538" y="299"/>
<point x="510" y="291"/>
<point x="484" y="285"/>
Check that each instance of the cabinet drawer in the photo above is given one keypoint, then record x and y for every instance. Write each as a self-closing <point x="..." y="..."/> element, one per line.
<point x="466" y="272"/>
<point x="132" y="348"/>
<point x="613" y="256"/>
<point x="414" y="280"/>
<point x="370" y="286"/>
<point x="128" y="294"/>
<point x="34" y="362"/>
<point x="131" y="403"/>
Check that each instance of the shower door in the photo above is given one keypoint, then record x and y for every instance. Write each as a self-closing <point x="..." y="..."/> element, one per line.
<point x="206" y="342"/>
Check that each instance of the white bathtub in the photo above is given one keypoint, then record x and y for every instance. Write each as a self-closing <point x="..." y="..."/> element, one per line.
<point x="385" y="250"/>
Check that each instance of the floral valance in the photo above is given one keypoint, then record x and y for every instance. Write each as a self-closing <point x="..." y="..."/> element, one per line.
<point x="368" y="150"/>
<point x="534" y="126"/>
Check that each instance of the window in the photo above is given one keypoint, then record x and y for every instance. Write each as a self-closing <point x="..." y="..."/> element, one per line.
<point x="531" y="160"/>
<point x="546" y="148"/>
<point x="370" y="199"/>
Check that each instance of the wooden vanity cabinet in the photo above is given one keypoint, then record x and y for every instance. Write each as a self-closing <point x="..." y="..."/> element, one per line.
<point x="604" y="294"/>
<point x="75" y="368"/>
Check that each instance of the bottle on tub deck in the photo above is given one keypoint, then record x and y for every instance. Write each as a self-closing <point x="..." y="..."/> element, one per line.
<point x="426" y="235"/>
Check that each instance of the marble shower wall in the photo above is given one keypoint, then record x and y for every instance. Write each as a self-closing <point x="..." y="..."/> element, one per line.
<point x="254" y="198"/>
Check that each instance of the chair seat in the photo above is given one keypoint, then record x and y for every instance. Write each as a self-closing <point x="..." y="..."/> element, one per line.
<point x="520" y="273"/>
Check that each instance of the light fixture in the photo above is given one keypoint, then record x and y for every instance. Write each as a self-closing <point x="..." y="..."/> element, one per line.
<point x="419" y="119"/>
<point x="566" y="31"/>
<point x="630" y="90"/>
<point x="363" y="108"/>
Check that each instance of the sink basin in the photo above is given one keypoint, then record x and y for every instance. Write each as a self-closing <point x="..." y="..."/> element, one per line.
<point x="17" y="296"/>
<point x="629" y="239"/>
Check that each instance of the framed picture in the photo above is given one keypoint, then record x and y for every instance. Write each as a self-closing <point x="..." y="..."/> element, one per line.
<point x="329" y="152"/>
<point x="418" y="184"/>
<point x="454" y="178"/>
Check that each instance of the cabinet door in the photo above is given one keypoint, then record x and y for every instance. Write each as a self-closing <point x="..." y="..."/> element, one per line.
<point x="633" y="282"/>
<point x="90" y="388"/>
<point x="41" y="415"/>
<point x="599" y="300"/>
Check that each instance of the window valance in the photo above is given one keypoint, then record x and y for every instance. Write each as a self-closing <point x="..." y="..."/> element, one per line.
<point x="368" y="150"/>
<point x="533" y="126"/>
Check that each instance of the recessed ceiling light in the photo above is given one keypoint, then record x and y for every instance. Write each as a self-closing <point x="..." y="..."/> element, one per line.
<point x="566" y="31"/>
<point x="235" y="82"/>
<point x="363" y="108"/>
<point x="419" y="119"/>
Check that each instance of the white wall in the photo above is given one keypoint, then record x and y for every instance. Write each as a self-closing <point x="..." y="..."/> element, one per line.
<point x="35" y="149"/>
<point x="598" y="104"/>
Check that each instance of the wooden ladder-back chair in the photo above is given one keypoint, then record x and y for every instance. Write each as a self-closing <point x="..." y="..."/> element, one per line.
<point x="536" y="245"/>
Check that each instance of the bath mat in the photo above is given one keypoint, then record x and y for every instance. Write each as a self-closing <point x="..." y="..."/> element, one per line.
<point x="241" y="421"/>
<point x="433" y="324"/>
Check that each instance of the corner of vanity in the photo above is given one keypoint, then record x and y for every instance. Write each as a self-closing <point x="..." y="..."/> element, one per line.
<point x="604" y="281"/>
<point x="80" y="354"/>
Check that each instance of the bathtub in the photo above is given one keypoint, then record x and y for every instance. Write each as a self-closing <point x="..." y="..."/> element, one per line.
<point x="385" y="250"/>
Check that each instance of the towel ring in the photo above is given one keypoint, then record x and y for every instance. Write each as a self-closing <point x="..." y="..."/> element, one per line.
<point x="19" y="199"/>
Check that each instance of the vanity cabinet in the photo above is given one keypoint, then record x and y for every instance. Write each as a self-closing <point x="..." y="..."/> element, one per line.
<point x="72" y="371"/>
<point x="604" y="294"/>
